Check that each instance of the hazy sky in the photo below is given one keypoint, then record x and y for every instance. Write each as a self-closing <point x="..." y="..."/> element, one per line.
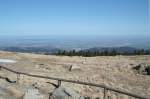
<point x="74" y="17"/>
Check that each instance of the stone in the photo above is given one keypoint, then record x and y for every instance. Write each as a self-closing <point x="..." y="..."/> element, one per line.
<point x="143" y="69"/>
<point x="148" y="70"/>
<point x="33" y="94"/>
<point x="74" y="68"/>
<point x="65" y="93"/>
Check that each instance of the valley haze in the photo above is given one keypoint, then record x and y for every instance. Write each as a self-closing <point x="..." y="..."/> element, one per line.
<point x="77" y="42"/>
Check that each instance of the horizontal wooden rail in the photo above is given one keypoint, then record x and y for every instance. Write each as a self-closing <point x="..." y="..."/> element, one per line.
<point x="79" y="82"/>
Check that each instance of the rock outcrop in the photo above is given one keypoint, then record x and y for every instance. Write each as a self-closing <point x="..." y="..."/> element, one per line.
<point x="33" y="94"/>
<point x="65" y="93"/>
<point x="143" y="69"/>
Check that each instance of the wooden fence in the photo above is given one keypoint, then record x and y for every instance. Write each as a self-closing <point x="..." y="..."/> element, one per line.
<point x="106" y="88"/>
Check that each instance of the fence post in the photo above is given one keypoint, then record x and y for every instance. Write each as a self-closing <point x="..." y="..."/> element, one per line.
<point x="59" y="83"/>
<point x="105" y="93"/>
<point x="18" y="76"/>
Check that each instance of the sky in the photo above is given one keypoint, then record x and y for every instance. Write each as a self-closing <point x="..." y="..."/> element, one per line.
<point x="74" y="17"/>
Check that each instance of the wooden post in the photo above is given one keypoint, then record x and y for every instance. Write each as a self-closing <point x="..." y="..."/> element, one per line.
<point x="105" y="93"/>
<point x="18" y="77"/>
<point x="0" y="68"/>
<point x="59" y="83"/>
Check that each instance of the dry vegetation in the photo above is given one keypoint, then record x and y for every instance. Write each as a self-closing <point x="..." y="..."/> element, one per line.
<point x="113" y="71"/>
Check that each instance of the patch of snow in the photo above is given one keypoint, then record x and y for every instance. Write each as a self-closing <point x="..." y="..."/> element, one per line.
<point x="7" y="61"/>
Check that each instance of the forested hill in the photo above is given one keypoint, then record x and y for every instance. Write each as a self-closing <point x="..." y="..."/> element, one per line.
<point x="105" y="51"/>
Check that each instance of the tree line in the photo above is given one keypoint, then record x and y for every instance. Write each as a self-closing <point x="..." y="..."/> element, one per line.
<point x="89" y="53"/>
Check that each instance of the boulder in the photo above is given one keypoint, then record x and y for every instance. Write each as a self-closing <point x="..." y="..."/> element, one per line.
<point x="143" y="69"/>
<point x="65" y="93"/>
<point x="148" y="70"/>
<point x="74" y="68"/>
<point x="32" y="93"/>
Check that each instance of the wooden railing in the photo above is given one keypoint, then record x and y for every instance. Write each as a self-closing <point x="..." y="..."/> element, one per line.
<point x="106" y="88"/>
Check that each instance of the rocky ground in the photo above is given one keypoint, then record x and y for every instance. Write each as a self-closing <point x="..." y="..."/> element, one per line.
<point x="115" y="71"/>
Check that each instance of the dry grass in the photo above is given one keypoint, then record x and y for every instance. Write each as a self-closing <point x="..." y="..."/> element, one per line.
<point x="114" y="71"/>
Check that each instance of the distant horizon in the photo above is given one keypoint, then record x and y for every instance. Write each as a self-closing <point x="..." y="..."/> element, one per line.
<point x="76" y="35"/>
<point x="70" y="42"/>
<point x="75" y="23"/>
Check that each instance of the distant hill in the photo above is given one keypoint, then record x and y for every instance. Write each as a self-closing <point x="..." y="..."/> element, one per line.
<point x="104" y="51"/>
<point x="51" y="50"/>
<point x="148" y="50"/>
<point x="39" y="50"/>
